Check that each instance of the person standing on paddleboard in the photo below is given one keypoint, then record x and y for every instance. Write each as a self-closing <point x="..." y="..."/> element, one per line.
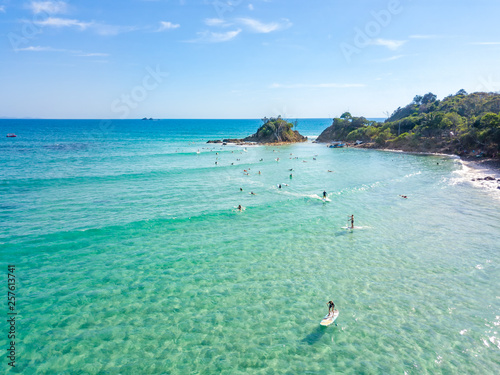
<point x="331" y="307"/>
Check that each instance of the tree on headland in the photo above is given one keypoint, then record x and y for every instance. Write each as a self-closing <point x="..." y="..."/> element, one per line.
<point x="276" y="129"/>
<point x="460" y="123"/>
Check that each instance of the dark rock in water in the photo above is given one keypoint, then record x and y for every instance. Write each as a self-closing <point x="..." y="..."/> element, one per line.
<point x="274" y="130"/>
<point x="489" y="178"/>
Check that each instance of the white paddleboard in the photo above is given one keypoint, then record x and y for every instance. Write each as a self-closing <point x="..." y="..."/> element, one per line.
<point x="330" y="318"/>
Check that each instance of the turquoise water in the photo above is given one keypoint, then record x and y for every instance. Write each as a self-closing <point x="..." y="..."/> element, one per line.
<point x="132" y="258"/>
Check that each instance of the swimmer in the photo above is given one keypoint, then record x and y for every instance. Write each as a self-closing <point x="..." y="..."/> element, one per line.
<point x="404" y="196"/>
<point x="279" y="186"/>
<point x="241" y="189"/>
<point x="252" y="193"/>
<point x="239" y="207"/>
<point x="330" y="171"/>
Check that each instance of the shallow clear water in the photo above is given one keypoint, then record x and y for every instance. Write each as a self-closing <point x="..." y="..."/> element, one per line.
<point x="132" y="257"/>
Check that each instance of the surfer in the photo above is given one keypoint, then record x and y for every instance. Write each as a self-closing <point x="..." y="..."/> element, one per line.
<point x="252" y="193"/>
<point x="324" y="194"/>
<point x="241" y="189"/>
<point x="352" y="221"/>
<point x="239" y="207"/>
<point x="331" y="307"/>
<point x="404" y="196"/>
<point x="279" y="186"/>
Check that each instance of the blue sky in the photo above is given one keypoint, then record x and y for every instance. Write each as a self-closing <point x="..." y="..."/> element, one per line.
<point x="240" y="58"/>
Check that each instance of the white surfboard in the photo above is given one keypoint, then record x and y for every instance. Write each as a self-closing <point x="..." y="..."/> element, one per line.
<point x="330" y="318"/>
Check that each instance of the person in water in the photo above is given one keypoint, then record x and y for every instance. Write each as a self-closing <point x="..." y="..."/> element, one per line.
<point x="324" y="194"/>
<point x="239" y="207"/>
<point x="331" y="307"/>
<point x="352" y="221"/>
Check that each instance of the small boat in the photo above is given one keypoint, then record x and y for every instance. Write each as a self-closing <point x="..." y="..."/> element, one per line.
<point x="11" y="135"/>
<point x="337" y="145"/>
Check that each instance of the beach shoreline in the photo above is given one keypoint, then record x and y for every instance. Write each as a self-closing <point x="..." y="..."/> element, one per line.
<point x="481" y="164"/>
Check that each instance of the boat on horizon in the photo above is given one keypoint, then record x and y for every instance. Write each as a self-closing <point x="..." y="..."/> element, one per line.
<point x="11" y="135"/>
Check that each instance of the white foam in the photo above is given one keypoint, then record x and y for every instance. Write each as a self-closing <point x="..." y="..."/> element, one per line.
<point x="474" y="175"/>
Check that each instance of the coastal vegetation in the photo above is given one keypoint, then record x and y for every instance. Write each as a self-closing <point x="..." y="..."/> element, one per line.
<point x="273" y="130"/>
<point x="462" y="124"/>
<point x="276" y="130"/>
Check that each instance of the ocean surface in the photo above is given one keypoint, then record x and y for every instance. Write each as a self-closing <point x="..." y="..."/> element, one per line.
<point x="132" y="258"/>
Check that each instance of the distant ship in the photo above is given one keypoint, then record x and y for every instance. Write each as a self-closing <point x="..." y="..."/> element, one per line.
<point x="11" y="135"/>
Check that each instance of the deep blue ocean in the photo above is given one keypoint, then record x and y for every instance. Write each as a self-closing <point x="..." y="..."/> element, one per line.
<point x="131" y="256"/>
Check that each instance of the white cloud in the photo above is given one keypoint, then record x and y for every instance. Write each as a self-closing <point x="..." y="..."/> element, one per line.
<point x="36" y="49"/>
<point x="487" y="43"/>
<point x="2" y="8"/>
<point x="391" y="44"/>
<point x="250" y="6"/>
<point x="93" y="54"/>
<point x="64" y="22"/>
<point x="259" y="27"/>
<point x="99" y="28"/>
<point x="48" y="7"/>
<point x="211" y="37"/>
<point x="216" y="22"/>
<point x="44" y="49"/>
<point x="166" y="25"/>
<point x="424" y="36"/>
<point x="316" y="85"/>
<point x="51" y="49"/>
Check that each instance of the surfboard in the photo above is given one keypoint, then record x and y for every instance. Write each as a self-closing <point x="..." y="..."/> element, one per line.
<point x="329" y="318"/>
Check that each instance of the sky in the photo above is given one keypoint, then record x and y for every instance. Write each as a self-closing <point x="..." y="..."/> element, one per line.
<point x="103" y="59"/>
